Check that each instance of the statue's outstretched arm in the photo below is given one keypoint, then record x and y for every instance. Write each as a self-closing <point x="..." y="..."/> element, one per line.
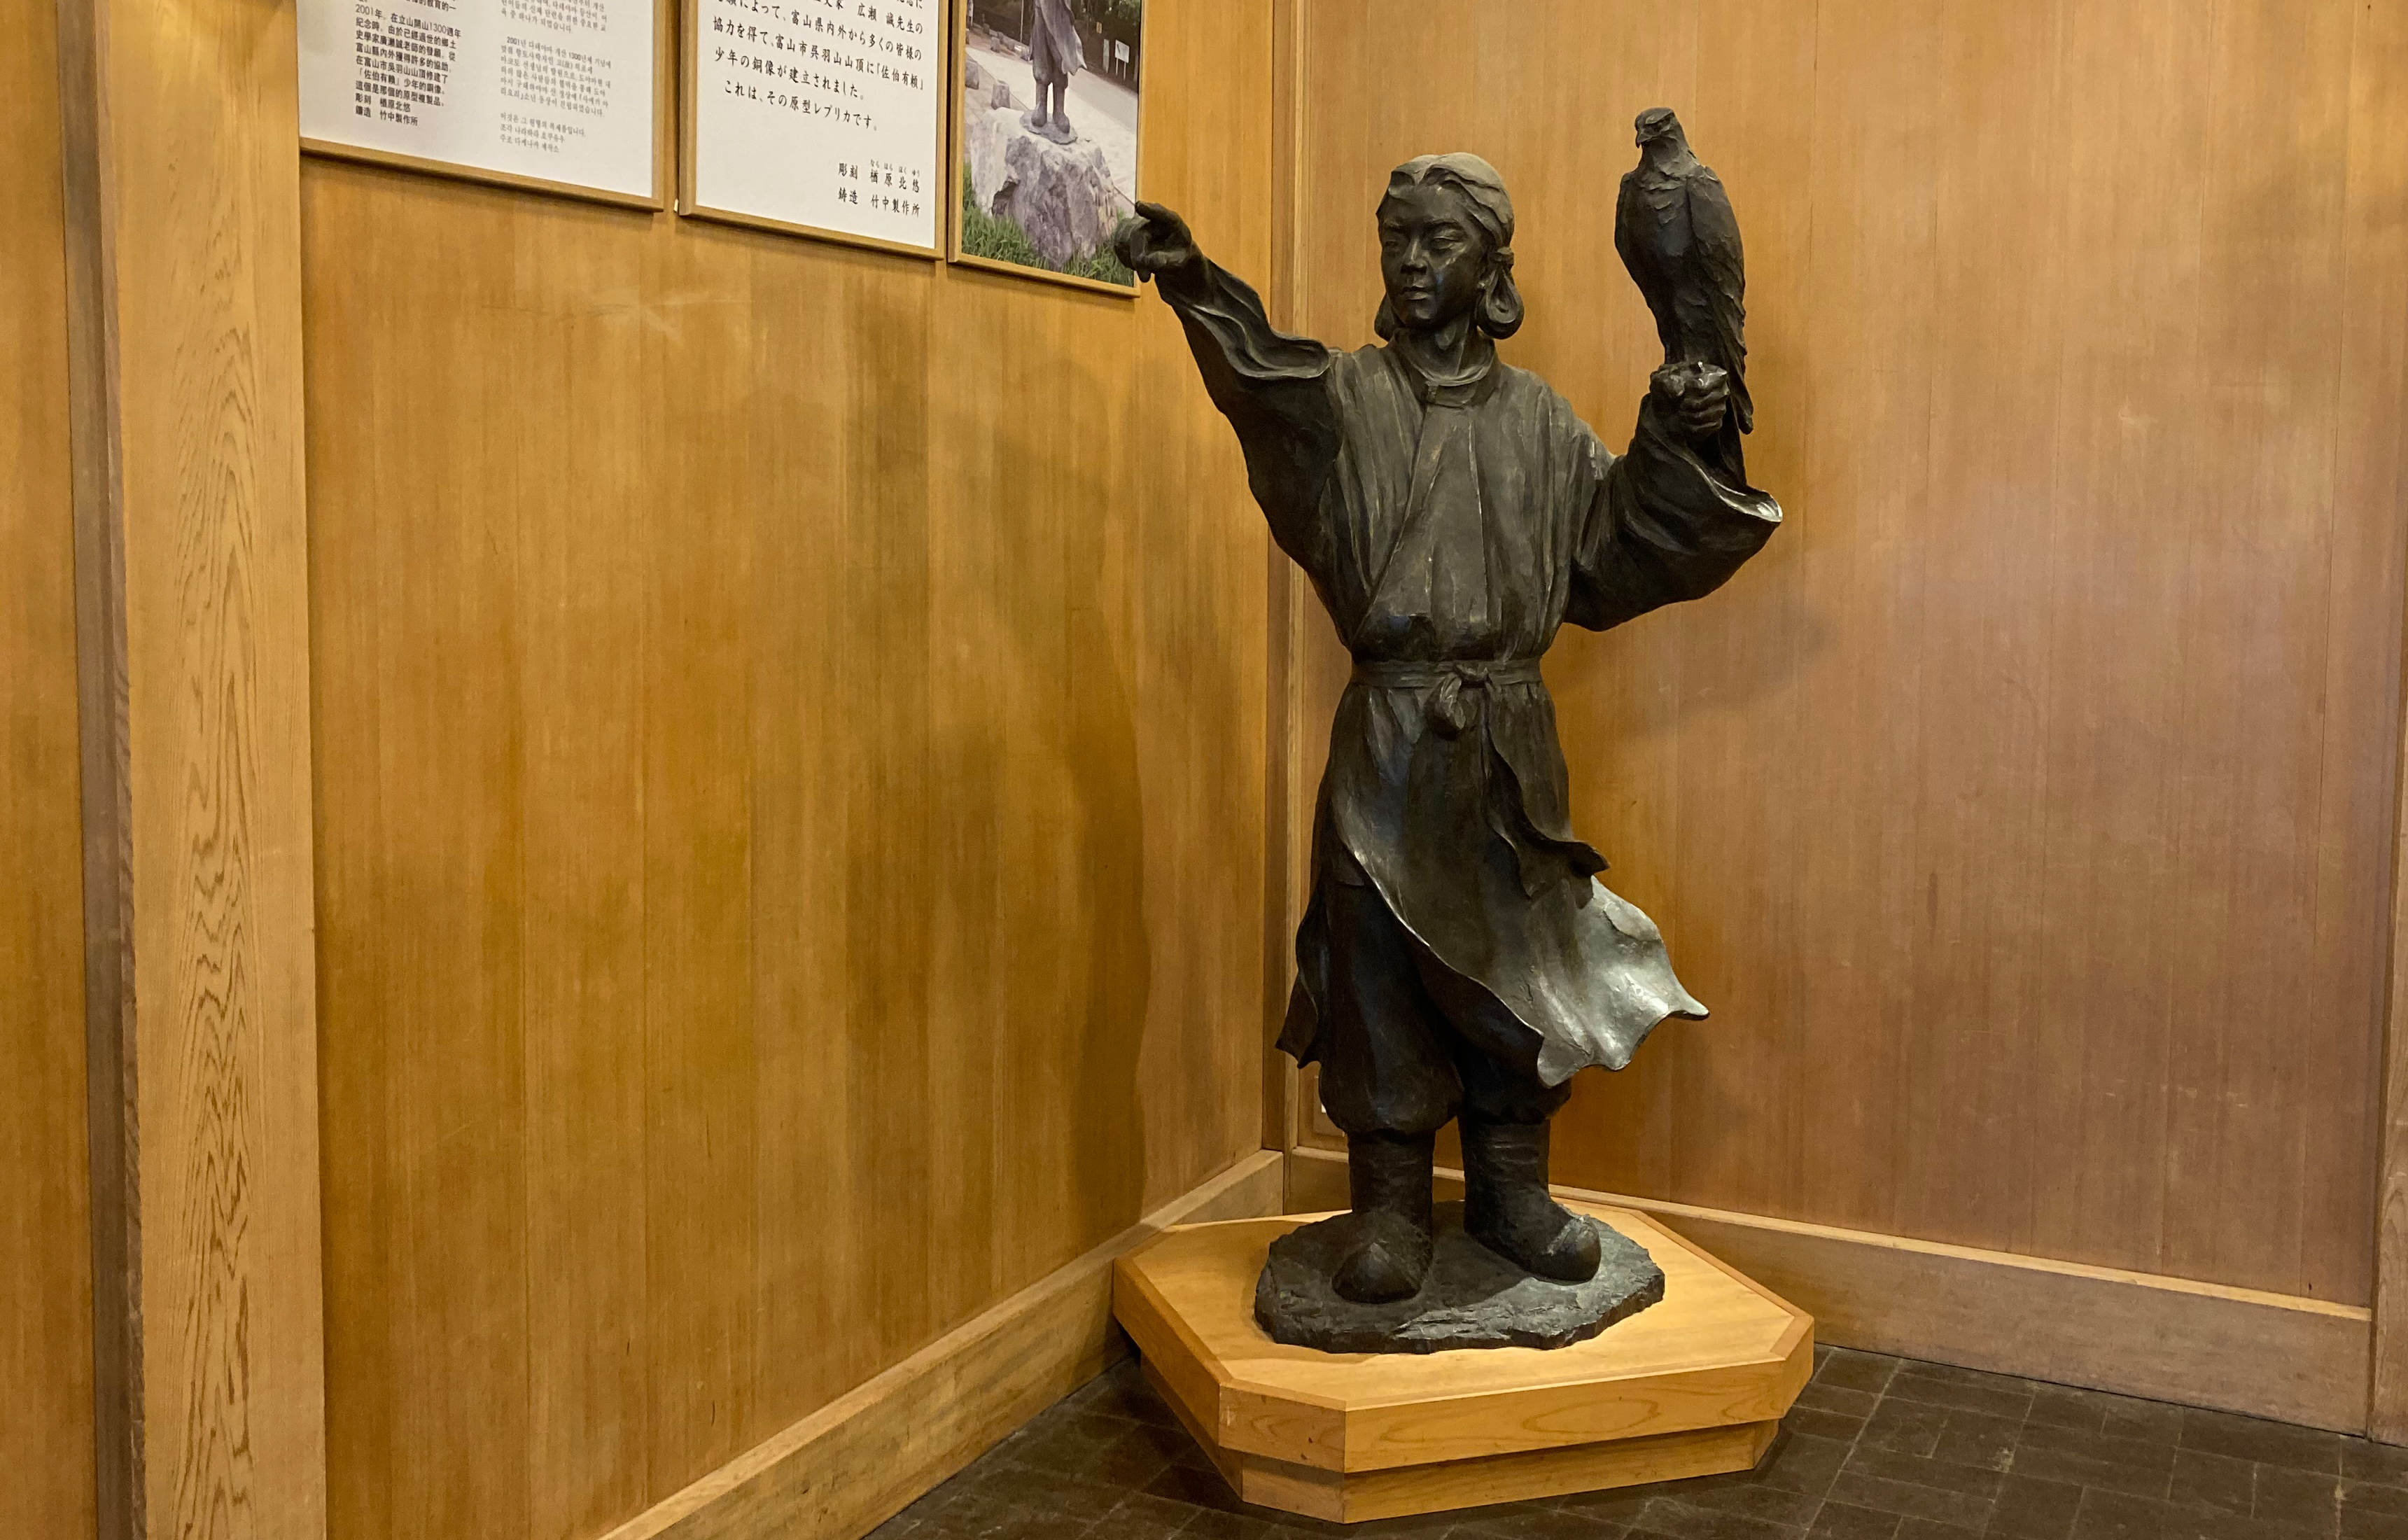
<point x="1273" y="388"/>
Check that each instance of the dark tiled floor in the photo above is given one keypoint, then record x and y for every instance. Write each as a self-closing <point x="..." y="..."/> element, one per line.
<point x="1877" y="1449"/>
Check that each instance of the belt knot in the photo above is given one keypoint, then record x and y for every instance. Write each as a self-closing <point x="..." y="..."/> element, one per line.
<point x="1449" y="709"/>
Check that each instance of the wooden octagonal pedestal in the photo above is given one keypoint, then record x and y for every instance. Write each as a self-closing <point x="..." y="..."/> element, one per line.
<point x="1694" y="1386"/>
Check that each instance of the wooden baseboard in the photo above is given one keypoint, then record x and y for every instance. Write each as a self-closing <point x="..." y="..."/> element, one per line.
<point x="848" y="1468"/>
<point x="2168" y="1339"/>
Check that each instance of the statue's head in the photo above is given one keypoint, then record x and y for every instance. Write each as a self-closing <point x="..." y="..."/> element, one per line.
<point x="1446" y="247"/>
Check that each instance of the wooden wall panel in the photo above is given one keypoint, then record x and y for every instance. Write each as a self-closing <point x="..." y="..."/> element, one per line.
<point x="2023" y="813"/>
<point x="46" y="1363"/>
<point x="789" y="730"/>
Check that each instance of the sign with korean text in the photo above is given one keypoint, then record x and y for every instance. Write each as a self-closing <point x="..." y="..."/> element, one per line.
<point x="559" y="93"/>
<point x="822" y="116"/>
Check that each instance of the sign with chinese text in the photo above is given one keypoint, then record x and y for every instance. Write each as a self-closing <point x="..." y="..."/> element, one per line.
<point x="556" y="93"/>
<point x="822" y="116"/>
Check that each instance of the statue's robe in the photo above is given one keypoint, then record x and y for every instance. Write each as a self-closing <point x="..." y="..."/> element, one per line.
<point x="1450" y="530"/>
<point x="1055" y="51"/>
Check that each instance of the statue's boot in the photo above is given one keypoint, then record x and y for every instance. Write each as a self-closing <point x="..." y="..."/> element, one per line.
<point x="1507" y="1209"/>
<point x="1388" y="1177"/>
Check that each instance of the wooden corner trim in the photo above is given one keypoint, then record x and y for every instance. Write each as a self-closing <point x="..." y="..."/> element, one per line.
<point x="2245" y="1350"/>
<point x="854" y="1464"/>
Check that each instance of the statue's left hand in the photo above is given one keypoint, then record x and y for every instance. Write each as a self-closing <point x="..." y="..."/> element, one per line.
<point x="1696" y="395"/>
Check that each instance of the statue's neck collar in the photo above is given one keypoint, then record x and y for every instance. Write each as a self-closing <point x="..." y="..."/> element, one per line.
<point x="1468" y="387"/>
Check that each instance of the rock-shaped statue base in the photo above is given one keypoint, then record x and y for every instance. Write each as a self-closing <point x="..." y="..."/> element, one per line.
<point x="1058" y="189"/>
<point x="1473" y="1297"/>
<point x="1059" y="131"/>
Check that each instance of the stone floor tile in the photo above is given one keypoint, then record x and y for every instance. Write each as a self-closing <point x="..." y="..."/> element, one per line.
<point x="1745" y="1495"/>
<point x="2371" y="1511"/>
<point x="2115" y="1516"/>
<point x="2078" y="1470"/>
<point x="2366" y="1524"/>
<point x="2364" y="1460"/>
<point x="2267" y="1443"/>
<point x="1212" y="1524"/>
<point x="1971" y="1438"/>
<point x="1621" y="1505"/>
<point x="2202" y="1480"/>
<point x="2150" y="1421"/>
<point x="1552" y="1524"/>
<point x="1925" y="1529"/>
<point x="2373" y="1497"/>
<point x="1969" y="1480"/>
<point x="1064" y="1497"/>
<point x="1676" y="1519"/>
<point x="1845" y="1521"/>
<point x="2307" y="1500"/>
<point x="2156" y="1458"/>
<point x="1823" y="1424"/>
<point x="1799" y="1462"/>
<point x="1962" y="1390"/>
<point x="1910" y="1501"/>
<point x="1846" y="1369"/>
<point x="1123" y="1392"/>
<point x="1904" y="1427"/>
<point x="2028" y="1508"/>
<point x="1838" y="1398"/>
<point x="2062" y="1406"/>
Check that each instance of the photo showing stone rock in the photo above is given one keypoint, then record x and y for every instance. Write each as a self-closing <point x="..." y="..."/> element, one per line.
<point x="1049" y="133"/>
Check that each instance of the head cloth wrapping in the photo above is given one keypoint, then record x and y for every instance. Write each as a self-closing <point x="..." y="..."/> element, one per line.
<point x="1492" y="206"/>
<point x="1484" y="194"/>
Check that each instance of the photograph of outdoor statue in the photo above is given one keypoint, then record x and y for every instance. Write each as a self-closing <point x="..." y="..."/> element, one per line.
<point x="1045" y="145"/>
<point x="1460" y="959"/>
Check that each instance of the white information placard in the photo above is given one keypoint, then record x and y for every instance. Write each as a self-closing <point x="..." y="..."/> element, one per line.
<point x="820" y="117"/>
<point x="558" y="93"/>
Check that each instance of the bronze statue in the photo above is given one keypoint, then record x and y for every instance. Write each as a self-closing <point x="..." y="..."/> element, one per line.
<point x="1056" y="53"/>
<point x="1459" y="957"/>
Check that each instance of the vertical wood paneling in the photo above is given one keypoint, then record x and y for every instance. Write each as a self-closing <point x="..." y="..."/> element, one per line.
<point x="2024" y="811"/>
<point x="2375" y="370"/>
<point x="46" y="1346"/>
<point x="193" y="655"/>
<point x="790" y="727"/>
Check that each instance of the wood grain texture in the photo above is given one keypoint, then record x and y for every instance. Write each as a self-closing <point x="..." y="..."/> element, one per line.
<point x="2376" y="358"/>
<point x="848" y="1466"/>
<point x="2026" y="811"/>
<point x="185" y="241"/>
<point x="2167" y="1339"/>
<point x="1719" y="1350"/>
<point x="46" y="1320"/>
<point x="1338" y="1498"/>
<point x="790" y="731"/>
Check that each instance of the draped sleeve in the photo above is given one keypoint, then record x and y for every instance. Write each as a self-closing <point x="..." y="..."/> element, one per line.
<point x="1275" y="390"/>
<point x="1666" y="525"/>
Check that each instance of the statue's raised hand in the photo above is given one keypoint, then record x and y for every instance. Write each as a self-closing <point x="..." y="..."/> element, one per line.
<point x="1698" y="395"/>
<point x="1156" y="242"/>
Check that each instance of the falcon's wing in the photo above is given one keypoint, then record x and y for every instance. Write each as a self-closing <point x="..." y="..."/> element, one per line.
<point x="1718" y="276"/>
<point x="1626" y="236"/>
<point x="1638" y="221"/>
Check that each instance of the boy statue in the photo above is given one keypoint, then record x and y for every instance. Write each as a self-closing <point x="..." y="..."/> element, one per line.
<point x="1459" y="957"/>
<point x="1056" y="53"/>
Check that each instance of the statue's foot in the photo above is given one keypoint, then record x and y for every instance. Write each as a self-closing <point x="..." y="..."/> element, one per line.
<point x="1390" y="1259"/>
<point x="1388" y="1179"/>
<point x="1507" y="1207"/>
<point x="1540" y="1236"/>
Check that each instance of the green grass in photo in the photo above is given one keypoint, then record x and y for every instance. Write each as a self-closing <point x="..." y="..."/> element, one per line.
<point x="985" y="236"/>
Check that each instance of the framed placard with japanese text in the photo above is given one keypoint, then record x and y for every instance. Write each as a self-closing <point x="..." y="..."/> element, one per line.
<point x="559" y="95"/>
<point x="819" y="118"/>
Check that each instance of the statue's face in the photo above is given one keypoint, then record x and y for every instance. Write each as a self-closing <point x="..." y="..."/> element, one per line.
<point x="1432" y="254"/>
